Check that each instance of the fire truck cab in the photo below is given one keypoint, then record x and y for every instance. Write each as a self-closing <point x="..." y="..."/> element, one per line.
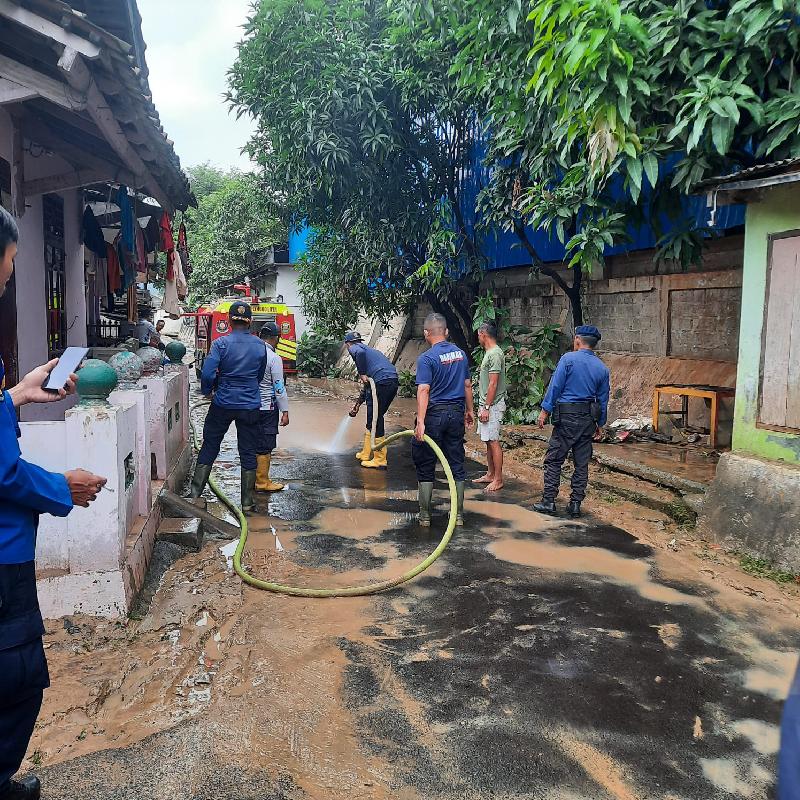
<point x="211" y="323"/>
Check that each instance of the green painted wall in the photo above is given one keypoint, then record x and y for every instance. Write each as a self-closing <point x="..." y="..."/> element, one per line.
<point x="779" y="211"/>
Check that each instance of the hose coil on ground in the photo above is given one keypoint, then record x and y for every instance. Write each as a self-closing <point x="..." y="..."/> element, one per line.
<point x="348" y="591"/>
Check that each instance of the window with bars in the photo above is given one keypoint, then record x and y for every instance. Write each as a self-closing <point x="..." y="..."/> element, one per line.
<point x="55" y="273"/>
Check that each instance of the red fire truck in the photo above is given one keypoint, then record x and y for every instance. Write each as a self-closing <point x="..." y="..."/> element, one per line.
<point x="211" y="322"/>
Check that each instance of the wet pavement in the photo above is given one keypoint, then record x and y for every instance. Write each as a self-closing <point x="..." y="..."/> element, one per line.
<point x="538" y="658"/>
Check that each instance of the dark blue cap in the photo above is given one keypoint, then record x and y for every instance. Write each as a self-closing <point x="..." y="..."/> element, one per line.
<point x="588" y="330"/>
<point x="240" y="312"/>
<point x="352" y="336"/>
<point x="269" y="329"/>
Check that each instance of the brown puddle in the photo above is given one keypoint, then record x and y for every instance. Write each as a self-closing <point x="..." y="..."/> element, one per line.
<point x="591" y="561"/>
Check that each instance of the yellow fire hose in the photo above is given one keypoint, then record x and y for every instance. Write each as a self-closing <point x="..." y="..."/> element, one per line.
<point x="348" y="591"/>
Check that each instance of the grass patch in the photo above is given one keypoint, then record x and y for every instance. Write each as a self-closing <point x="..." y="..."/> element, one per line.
<point x="761" y="568"/>
<point x="682" y="514"/>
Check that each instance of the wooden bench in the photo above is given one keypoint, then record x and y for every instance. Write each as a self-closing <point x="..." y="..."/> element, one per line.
<point x="712" y="393"/>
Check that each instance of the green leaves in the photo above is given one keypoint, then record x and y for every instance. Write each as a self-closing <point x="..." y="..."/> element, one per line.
<point x="236" y="215"/>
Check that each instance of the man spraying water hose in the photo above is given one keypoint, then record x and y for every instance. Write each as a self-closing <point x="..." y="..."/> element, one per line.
<point x="232" y="370"/>
<point x="371" y="363"/>
<point x="444" y="403"/>
<point x="274" y="403"/>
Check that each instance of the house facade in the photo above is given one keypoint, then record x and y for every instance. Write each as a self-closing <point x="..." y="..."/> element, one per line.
<point x="84" y="166"/>
<point x="754" y="503"/>
<point x="76" y="122"/>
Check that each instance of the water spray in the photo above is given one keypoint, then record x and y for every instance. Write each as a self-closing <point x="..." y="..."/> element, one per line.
<point x="348" y="591"/>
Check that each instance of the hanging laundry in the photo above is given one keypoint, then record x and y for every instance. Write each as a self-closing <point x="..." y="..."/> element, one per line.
<point x="180" y="278"/>
<point x="126" y="219"/>
<point x="114" y="270"/>
<point x="167" y="244"/>
<point x="127" y="262"/>
<point x="101" y="278"/>
<point x="152" y="234"/>
<point x="183" y="250"/>
<point x="141" y="250"/>
<point x="170" y="302"/>
<point x="93" y="233"/>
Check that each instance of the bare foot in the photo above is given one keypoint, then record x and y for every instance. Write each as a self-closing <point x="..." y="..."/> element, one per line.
<point x="487" y="478"/>
<point x="495" y="486"/>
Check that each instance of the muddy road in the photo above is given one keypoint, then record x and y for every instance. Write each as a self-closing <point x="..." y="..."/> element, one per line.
<point x="537" y="658"/>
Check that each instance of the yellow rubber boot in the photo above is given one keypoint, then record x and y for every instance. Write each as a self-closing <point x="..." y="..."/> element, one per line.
<point x="365" y="454"/>
<point x="378" y="460"/>
<point x="263" y="482"/>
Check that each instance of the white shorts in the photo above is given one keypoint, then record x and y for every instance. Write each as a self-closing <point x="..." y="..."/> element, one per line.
<point x="490" y="431"/>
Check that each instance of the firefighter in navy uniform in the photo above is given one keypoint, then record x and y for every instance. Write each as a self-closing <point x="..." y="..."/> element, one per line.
<point x="371" y="363"/>
<point x="233" y="370"/>
<point x="444" y="404"/>
<point x="26" y="491"/>
<point x="577" y="400"/>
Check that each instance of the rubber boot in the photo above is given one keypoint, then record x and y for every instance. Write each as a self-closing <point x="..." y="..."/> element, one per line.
<point x="546" y="507"/>
<point x="365" y="454"/>
<point x="574" y="509"/>
<point x="248" y="485"/>
<point x="263" y="481"/>
<point x="378" y="460"/>
<point x="459" y="503"/>
<point x="202" y="472"/>
<point x="425" y="494"/>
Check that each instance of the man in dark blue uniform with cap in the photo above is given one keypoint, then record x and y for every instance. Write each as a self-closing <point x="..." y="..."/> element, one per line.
<point x="371" y="363"/>
<point x="233" y="370"/>
<point x="577" y="400"/>
<point x="444" y="403"/>
<point x="26" y="491"/>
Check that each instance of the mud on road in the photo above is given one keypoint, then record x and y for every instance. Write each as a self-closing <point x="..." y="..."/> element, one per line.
<point x="538" y="658"/>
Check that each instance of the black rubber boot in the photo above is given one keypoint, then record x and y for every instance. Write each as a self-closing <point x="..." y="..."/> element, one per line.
<point x="28" y="788"/>
<point x="200" y="478"/>
<point x="546" y="507"/>
<point x="460" y="502"/>
<point x="248" y="488"/>
<point x="574" y="509"/>
<point x="425" y="495"/>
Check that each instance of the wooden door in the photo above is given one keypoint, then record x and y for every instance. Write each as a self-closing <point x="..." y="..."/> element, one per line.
<point x="780" y="372"/>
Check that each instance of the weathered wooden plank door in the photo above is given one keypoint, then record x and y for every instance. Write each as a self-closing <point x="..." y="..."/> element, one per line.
<point x="780" y="375"/>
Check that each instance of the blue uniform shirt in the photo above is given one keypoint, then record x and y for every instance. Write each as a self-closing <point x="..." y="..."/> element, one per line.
<point x="373" y="363"/>
<point x="25" y="492"/>
<point x="444" y="368"/>
<point x="580" y="377"/>
<point x="237" y="363"/>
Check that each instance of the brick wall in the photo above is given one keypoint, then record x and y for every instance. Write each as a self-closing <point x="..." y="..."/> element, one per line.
<point x="692" y="314"/>
<point x="704" y="323"/>
<point x="628" y="320"/>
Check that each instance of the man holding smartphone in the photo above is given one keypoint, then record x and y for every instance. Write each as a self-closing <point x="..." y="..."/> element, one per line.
<point x="26" y="491"/>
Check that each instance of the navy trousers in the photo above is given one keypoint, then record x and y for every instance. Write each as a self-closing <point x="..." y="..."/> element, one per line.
<point x="218" y="420"/>
<point x="386" y="393"/>
<point x="267" y="431"/>
<point x="17" y="721"/>
<point x="23" y="666"/>
<point x="445" y="425"/>
<point x="573" y="432"/>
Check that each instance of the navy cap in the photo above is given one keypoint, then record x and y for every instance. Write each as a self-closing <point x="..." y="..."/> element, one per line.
<point x="352" y="336"/>
<point x="588" y="330"/>
<point x="240" y="312"/>
<point x="269" y="329"/>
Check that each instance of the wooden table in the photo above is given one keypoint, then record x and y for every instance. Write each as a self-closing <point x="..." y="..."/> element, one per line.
<point x="712" y="393"/>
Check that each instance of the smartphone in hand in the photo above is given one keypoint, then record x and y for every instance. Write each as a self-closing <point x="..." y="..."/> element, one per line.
<point x="67" y="364"/>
